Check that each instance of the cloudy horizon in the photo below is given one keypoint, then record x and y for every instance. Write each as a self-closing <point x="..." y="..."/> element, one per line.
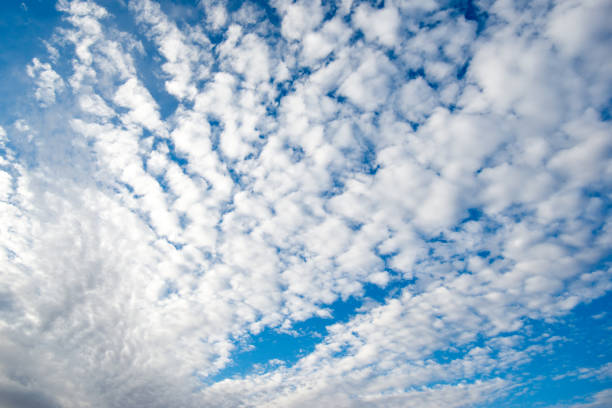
<point x="305" y="204"/>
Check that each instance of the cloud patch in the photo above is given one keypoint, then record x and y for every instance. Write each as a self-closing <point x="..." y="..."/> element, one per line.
<point x="418" y="192"/>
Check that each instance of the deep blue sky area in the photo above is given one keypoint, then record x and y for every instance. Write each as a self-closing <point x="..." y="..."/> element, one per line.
<point x="23" y="27"/>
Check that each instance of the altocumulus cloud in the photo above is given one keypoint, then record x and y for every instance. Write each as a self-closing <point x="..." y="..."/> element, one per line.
<point x="303" y="204"/>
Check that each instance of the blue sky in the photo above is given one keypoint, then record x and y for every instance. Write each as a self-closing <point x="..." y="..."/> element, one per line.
<point x="297" y="204"/>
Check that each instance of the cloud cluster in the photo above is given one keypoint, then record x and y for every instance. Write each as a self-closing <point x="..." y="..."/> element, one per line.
<point x="48" y="82"/>
<point x="314" y="150"/>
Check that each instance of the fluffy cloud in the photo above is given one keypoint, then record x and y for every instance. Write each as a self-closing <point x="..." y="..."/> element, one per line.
<point x="312" y="156"/>
<point x="48" y="82"/>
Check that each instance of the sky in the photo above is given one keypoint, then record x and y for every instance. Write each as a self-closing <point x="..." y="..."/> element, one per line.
<point x="277" y="203"/>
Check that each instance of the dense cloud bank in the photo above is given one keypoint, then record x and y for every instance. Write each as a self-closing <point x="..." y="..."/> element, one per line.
<point x="188" y="179"/>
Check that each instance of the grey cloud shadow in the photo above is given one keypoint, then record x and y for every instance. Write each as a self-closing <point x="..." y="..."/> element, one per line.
<point x="17" y="397"/>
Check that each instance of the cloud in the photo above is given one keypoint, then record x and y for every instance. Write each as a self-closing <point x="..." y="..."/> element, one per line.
<point x="299" y="18"/>
<point x="416" y="193"/>
<point x="600" y="399"/>
<point x="143" y="109"/>
<point x="604" y="371"/>
<point x="14" y="397"/>
<point x="378" y="25"/>
<point x="183" y="60"/>
<point x="368" y="86"/>
<point x="48" y="82"/>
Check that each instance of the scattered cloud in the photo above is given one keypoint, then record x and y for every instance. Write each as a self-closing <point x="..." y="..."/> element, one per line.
<point x="414" y="187"/>
<point x="48" y="82"/>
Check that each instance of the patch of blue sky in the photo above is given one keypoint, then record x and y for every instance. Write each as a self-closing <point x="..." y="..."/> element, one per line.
<point x="266" y="350"/>
<point x="474" y="214"/>
<point x="263" y="5"/>
<point x="463" y="70"/>
<point x="382" y="294"/>
<point x="578" y="340"/>
<point x="153" y="78"/>
<point x="564" y="364"/>
<point x="580" y="344"/>
<point x="281" y="346"/>
<point x="471" y="12"/>
<point x="356" y="37"/>
<point x="378" y="4"/>
<point x="22" y="26"/>
<point x="605" y="112"/>
<point x="175" y="156"/>
<point x="271" y="347"/>
<point x="330" y="8"/>
<point x="412" y="73"/>
<point x="147" y="63"/>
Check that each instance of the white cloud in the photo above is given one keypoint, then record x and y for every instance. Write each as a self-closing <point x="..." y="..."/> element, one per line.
<point x="378" y="25"/>
<point x="95" y="105"/>
<point x="299" y="18"/>
<point x="416" y="100"/>
<point x="369" y="85"/>
<point x="48" y="82"/>
<point x="143" y="109"/>
<point x="297" y="167"/>
<point x="601" y="399"/>
<point x="584" y="47"/>
<point x="182" y="57"/>
<point x="319" y="44"/>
